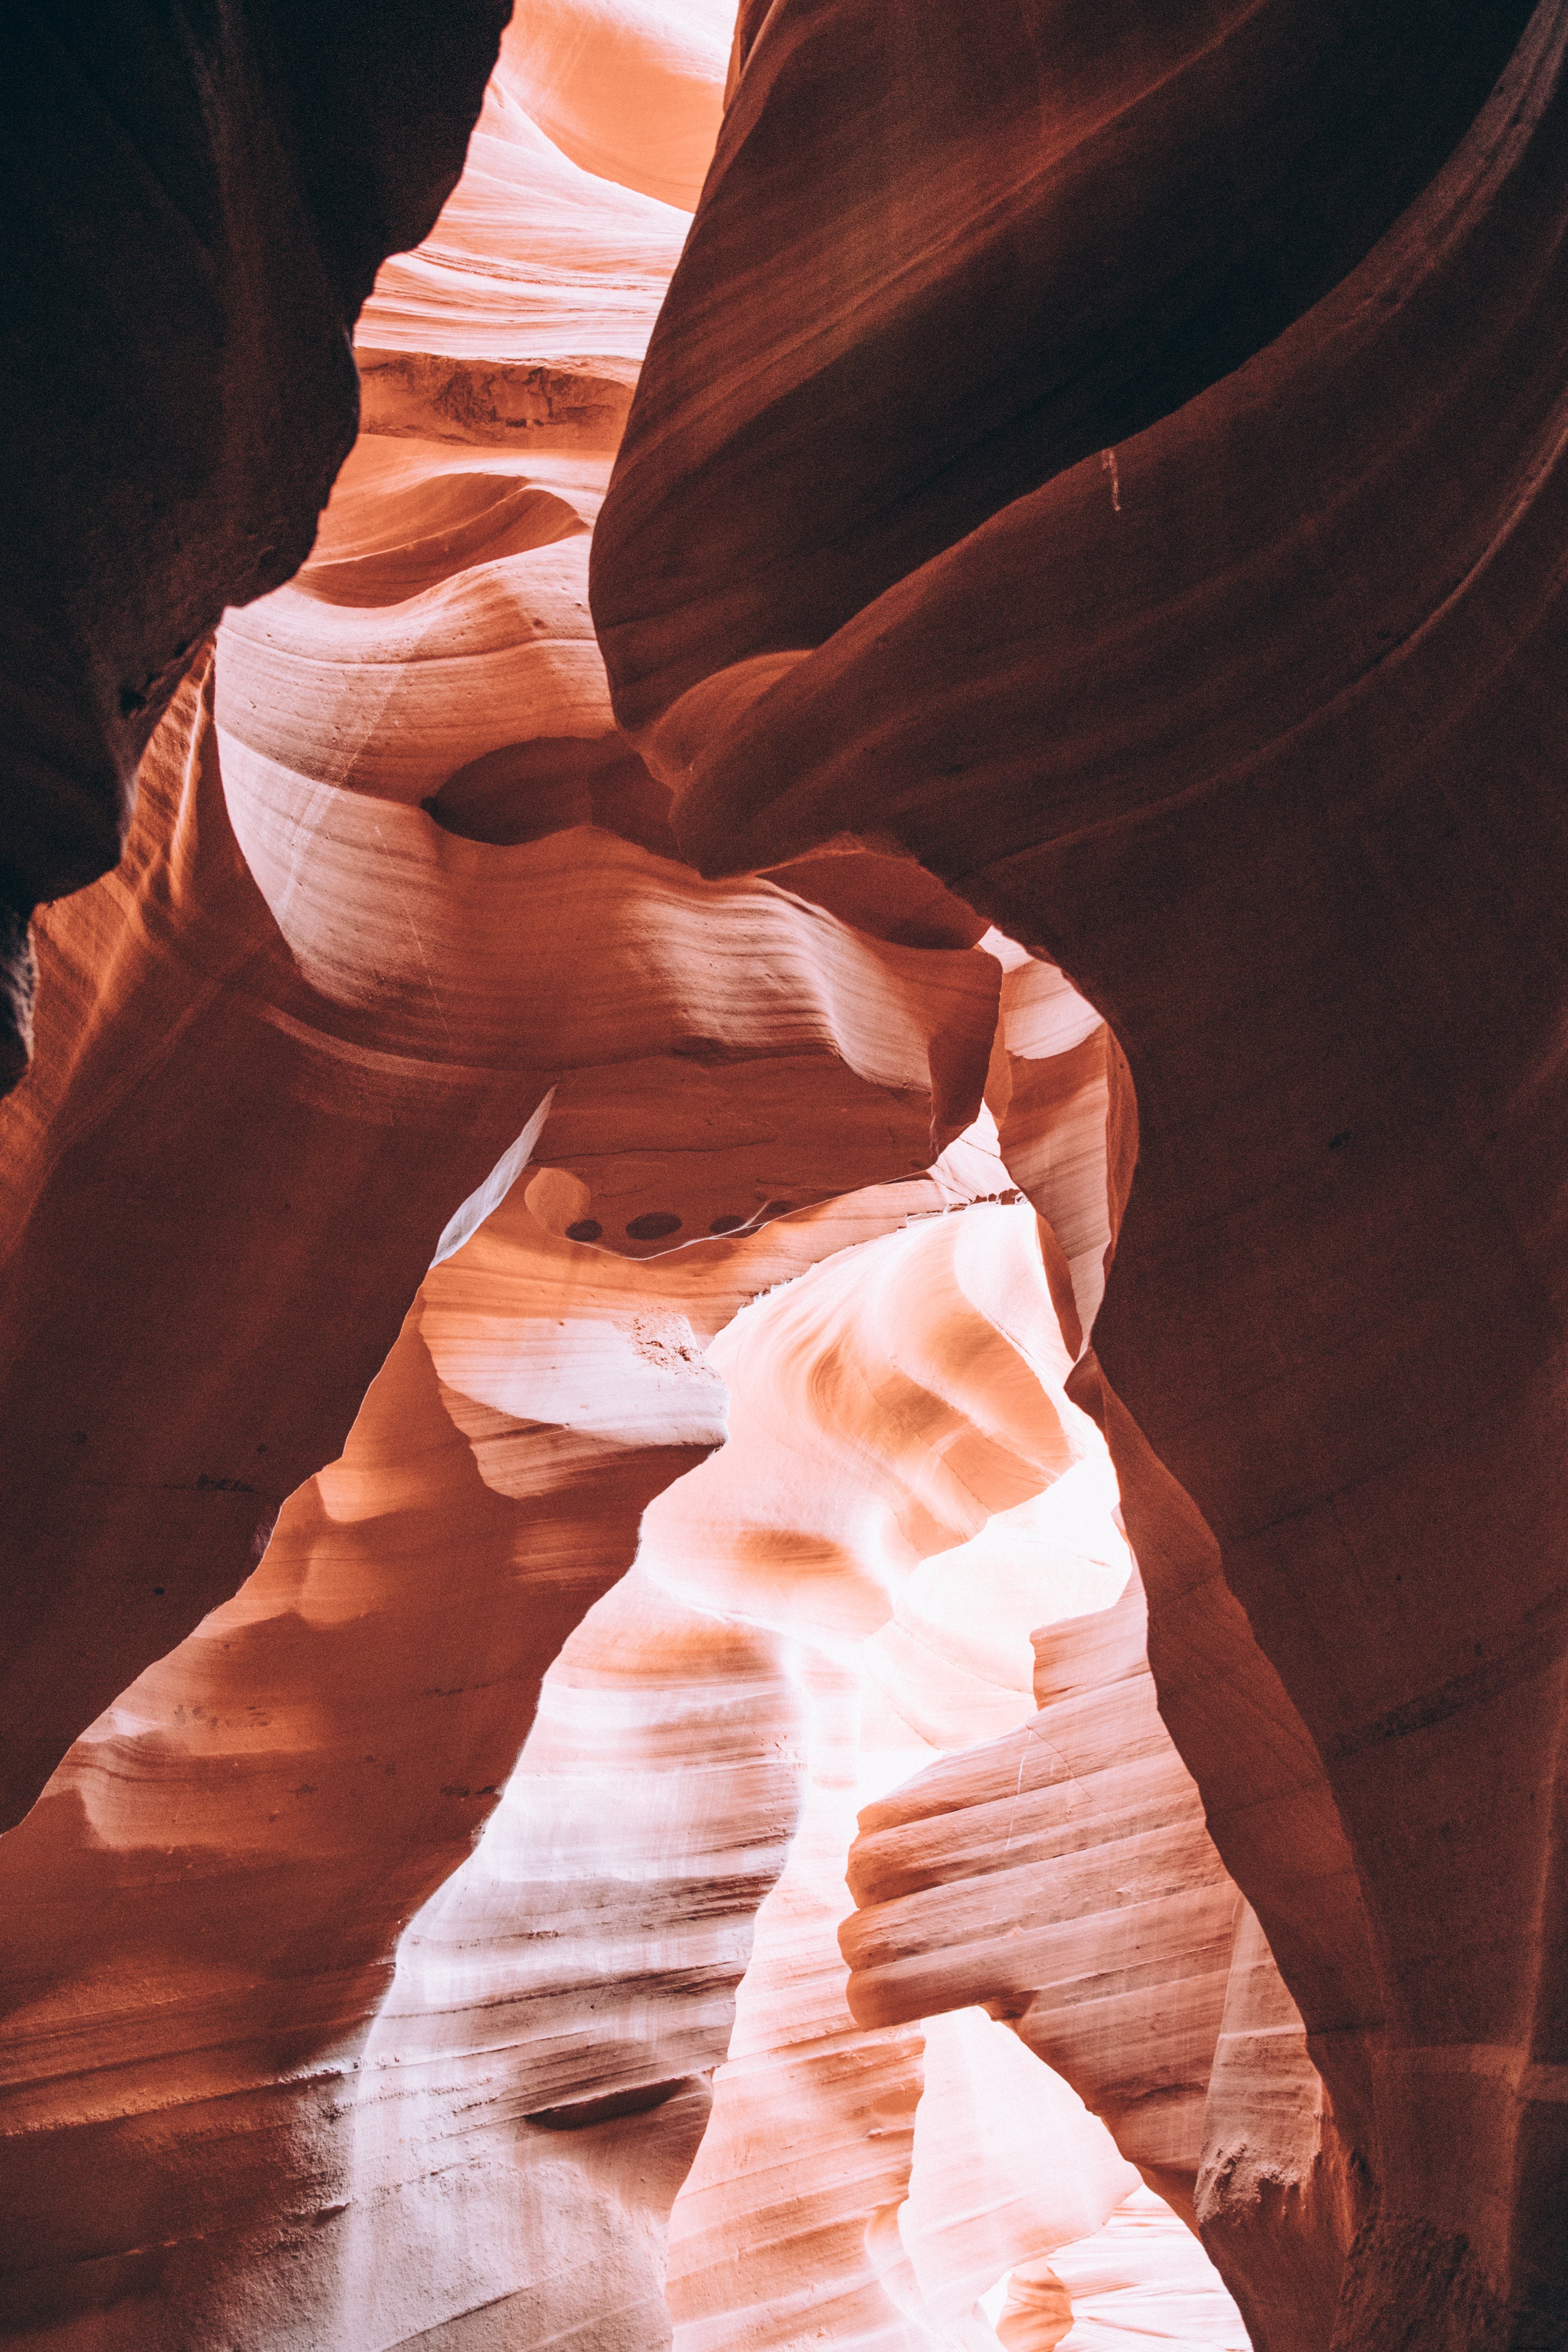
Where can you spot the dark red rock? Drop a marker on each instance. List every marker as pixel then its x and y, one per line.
pixel 197 199
pixel 1260 737
pixel 943 253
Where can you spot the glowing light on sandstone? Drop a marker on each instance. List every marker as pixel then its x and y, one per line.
pixel 782 1353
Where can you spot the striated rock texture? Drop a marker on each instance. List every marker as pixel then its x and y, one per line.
pixel 589 1762
pixel 1022 237
pixel 855 2186
pixel 369 1963
pixel 634 93
pixel 1063 1876
pixel 522 320
pixel 198 197
pixel 306 1002
pixel 1252 722
pixel 203 1911
pixel 1095 1829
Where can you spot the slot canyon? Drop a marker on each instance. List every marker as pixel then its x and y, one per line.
pixel 784 1018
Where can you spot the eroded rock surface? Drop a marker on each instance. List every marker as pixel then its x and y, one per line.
pixel 1249 720
pixel 686 1834
pixel 198 199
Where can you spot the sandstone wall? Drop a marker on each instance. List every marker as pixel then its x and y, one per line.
pixel 1248 719
pixel 588 1760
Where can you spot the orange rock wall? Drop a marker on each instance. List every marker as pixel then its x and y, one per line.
pixel 1249 720
pixel 586 1757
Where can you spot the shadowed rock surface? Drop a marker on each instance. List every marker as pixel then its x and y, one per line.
pixel 952 252
pixel 197 200
pixel 604 1772
pixel 1255 728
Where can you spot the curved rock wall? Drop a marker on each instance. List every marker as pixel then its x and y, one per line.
pixel 304 1014
pixel 307 1002
pixel 489 2132
pixel 1249 720
pixel 951 256
pixel 199 198
pixel 687 1832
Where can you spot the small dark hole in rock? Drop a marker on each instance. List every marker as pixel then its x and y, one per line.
pixel 526 791
pixel 653 1227
pixel 726 1224
pixel 581 2112
pixel 586 1229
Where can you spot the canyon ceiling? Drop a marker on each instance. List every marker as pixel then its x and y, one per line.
pixel 783 1008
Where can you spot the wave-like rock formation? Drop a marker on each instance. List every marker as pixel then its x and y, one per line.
pixel 1063 1876
pixel 1250 720
pixel 868 2176
pixel 204 1906
pixel 1085 1812
pixel 199 198
pixel 307 1001
pixel 329 2017
pixel 812 1602
pixel 1020 239
pixel 521 321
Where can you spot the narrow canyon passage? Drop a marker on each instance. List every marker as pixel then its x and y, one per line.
pixel 779 1346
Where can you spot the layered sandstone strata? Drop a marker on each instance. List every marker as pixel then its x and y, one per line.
pixel 485 2122
pixel 1249 720
pixel 199 199
pixel 677 1839
pixel 306 1011
pixel 331 2017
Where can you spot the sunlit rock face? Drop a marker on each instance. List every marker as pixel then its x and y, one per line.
pixel 484 2123
pixel 612 1736
pixel 593 1316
